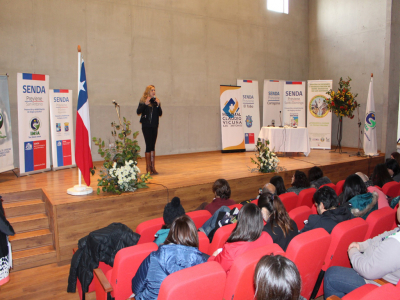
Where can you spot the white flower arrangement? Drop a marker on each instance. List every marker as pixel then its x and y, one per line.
pixel 125 176
pixel 266 160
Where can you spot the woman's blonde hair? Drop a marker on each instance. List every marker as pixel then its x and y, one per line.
pixel 146 93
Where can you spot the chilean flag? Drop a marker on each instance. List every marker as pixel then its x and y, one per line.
pixel 83 155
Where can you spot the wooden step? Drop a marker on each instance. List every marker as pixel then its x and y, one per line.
pixel 23 208
pixel 29 222
pixel 31 258
pixel 31 239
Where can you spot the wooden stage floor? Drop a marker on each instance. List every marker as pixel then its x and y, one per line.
pixel 188 176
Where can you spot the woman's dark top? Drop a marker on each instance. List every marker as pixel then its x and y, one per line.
pixel 150 114
pixel 278 237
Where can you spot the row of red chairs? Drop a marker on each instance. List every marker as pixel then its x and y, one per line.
pixel 372 292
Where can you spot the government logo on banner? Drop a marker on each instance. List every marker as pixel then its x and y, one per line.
pixel 318 107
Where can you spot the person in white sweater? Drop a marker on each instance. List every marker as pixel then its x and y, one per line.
pixel 375 258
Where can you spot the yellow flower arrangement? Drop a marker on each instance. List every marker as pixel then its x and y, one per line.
pixel 342 103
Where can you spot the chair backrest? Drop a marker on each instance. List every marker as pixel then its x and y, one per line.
pixel 204 242
pixel 255 201
pixel 204 281
pixel 240 282
pixel 126 263
pixel 306 197
pixel 238 205
pixel 299 215
pixel 289 200
pixel 308 251
pixel 148 229
pixel 379 221
pixel 386 291
pixel 331 185
pixel 220 237
pixel 339 187
pixel 199 217
pixel 391 189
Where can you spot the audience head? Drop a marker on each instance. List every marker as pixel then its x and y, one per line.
pixel 249 225
pixel 353 186
pixel 315 173
pixel 393 167
pixel 325 198
pixel 272 209
pixel 183 232
pixel 396 156
pixel 277 181
pixel 362 176
pixel 300 180
pixel 277 278
pixel 172 210
pixel 269 188
pixel 221 189
pixel 380 176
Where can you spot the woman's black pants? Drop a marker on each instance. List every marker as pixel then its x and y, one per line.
pixel 150 137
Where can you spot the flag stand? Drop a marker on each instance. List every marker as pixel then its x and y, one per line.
pixel 79 189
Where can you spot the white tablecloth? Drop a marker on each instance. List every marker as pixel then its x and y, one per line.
pixel 286 139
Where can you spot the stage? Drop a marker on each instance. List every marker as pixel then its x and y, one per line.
pixel 188 176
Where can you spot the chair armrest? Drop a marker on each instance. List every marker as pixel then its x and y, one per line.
pixel 333 297
pixel 103 280
pixel 381 281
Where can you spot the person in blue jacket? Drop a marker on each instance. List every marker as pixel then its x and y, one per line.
pixel 179 251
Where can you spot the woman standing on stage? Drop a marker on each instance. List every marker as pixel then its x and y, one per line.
pixel 150 110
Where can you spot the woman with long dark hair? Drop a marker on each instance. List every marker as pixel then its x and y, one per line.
pixel 316 177
pixel 277 181
pixel 279 225
pixel 150 110
pixel 381 175
pixel 247 235
pixel 393 169
pixel 299 182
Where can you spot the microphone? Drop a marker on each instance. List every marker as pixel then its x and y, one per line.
pixel 115 103
pixel 280 117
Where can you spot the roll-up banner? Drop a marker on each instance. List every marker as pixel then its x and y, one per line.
pixel 251 112
pixel 62 130
pixel 33 123
pixel 6 147
pixel 232 133
pixel 272 102
pixel 319 118
pixel 294 103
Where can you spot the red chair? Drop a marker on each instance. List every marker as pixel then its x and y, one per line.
pixel 391 189
pixel 339 187
pixel 331 185
pixel 379 221
pixel 299 215
pixel 204 242
pixel 220 237
pixel 308 251
pixel 342 236
pixel 395 221
pixel 238 205
pixel 204 281
pixel 240 282
pixel 148 229
pixel 199 217
pixel 118 281
pixel 306 197
pixel 255 201
pixel 378 187
pixel 372 292
pixel 289 200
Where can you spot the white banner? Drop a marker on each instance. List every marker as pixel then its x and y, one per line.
pixel 251 112
pixel 294 99
pixel 272 102
pixel 33 122
pixel 62 129
pixel 370 144
pixel 232 133
pixel 319 118
pixel 6 147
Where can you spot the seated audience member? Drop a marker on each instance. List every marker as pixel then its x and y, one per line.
pixel 393 169
pixel 329 212
pixel 277 278
pixel 396 156
pixel 180 251
pixel 172 210
pixel 373 259
pixel 382 198
pixel 277 181
pixel 380 176
pixel 246 236
pixel 268 188
pixel 279 225
pixel 356 197
pixel 317 178
pixel 222 192
pixel 367 181
pixel 299 182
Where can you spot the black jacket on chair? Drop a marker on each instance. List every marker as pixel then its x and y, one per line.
pixel 100 245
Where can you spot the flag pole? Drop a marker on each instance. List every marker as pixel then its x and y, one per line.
pixel 79 189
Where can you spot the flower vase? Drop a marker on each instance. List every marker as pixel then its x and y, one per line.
pixel 339 136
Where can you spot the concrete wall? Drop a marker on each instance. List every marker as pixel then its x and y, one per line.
pixel 186 48
pixel 350 38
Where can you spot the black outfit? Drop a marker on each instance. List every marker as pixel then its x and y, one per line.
pixel 328 219
pixel 5 230
pixel 100 245
pixel 277 235
pixel 149 118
